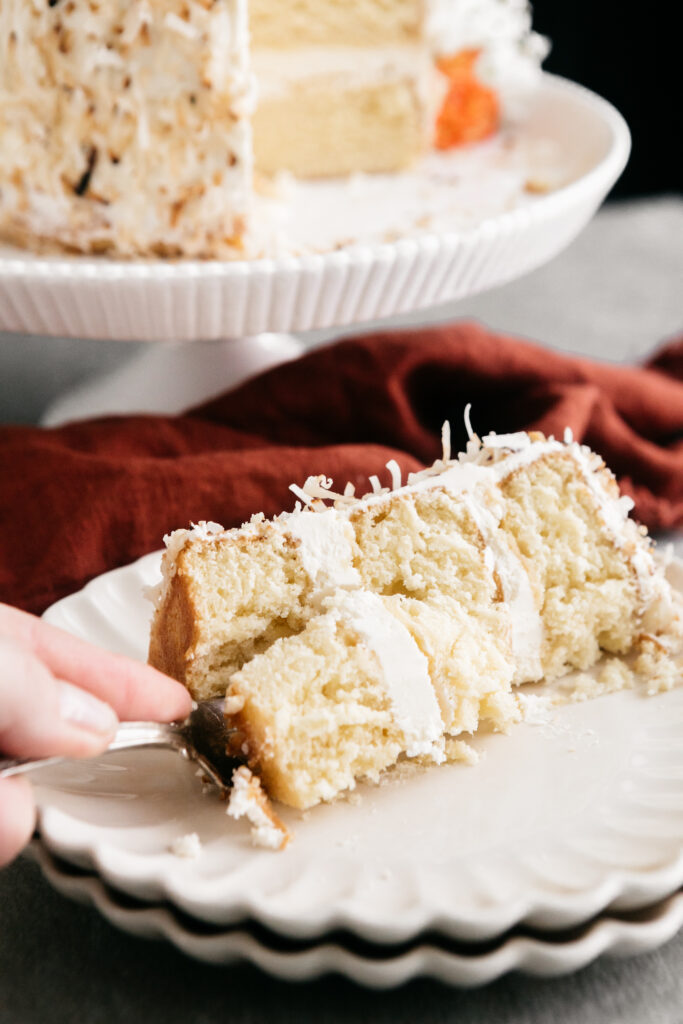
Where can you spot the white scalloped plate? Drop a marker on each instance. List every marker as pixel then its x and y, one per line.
pixel 458 223
pixel 381 967
pixel 556 822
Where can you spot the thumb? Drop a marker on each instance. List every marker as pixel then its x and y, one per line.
pixel 42 715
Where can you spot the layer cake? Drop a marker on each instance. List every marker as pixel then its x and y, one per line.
pixel 356 631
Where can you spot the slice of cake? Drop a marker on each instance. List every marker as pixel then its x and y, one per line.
pixel 364 85
pixel 356 631
pixel 342 86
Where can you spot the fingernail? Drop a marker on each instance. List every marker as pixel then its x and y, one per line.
pixel 82 709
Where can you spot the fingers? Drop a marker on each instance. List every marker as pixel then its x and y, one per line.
pixel 44 716
pixel 135 691
pixel 17 817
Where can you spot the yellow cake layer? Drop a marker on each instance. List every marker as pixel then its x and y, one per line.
pixel 225 603
pixel 320 129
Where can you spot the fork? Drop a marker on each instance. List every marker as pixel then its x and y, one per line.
pixel 202 738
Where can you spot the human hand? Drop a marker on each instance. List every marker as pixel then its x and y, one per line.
pixel 60 696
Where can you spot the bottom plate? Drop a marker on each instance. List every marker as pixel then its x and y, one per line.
pixel 457 964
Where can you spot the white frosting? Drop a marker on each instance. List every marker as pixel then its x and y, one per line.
pixel 326 548
pixel 404 667
pixel 148 144
pixel 277 71
pixel 526 624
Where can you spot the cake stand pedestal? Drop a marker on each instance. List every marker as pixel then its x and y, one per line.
pixel 356 251
pixel 173 377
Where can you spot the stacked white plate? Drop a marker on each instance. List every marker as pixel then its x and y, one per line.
pixel 377 966
pixel 564 841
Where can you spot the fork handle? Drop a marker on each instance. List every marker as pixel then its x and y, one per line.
pixel 128 736
pixel 16 765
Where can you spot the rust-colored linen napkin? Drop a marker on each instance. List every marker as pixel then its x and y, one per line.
pixel 81 499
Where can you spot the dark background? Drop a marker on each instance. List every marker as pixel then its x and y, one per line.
pixel 625 52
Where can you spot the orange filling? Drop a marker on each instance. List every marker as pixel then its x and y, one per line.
pixel 470 111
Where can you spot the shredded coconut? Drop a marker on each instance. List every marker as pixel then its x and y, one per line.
pixel 468 423
pixel 535 710
pixel 446 441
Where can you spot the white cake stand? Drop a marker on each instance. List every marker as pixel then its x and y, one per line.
pixel 337 253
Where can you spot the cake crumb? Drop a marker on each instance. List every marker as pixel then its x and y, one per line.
pixel 352 796
pixel 233 704
pixel 660 671
pixel 188 846
pixel 459 751
pixel 611 677
pixel 537 186
pixel 248 800
pixel 535 710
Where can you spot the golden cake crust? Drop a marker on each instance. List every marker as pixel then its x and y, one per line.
pixel 174 629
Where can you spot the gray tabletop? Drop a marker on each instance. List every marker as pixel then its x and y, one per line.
pixel 615 293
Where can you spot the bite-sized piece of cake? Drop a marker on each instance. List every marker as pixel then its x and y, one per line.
pixel 340 701
pixel 247 800
pixel 124 126
pixel 227 595
pixel 355 631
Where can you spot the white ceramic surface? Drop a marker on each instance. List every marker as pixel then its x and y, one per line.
pixel 558 820
pixel 365 249
pixel 170 379
pixel 382 967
